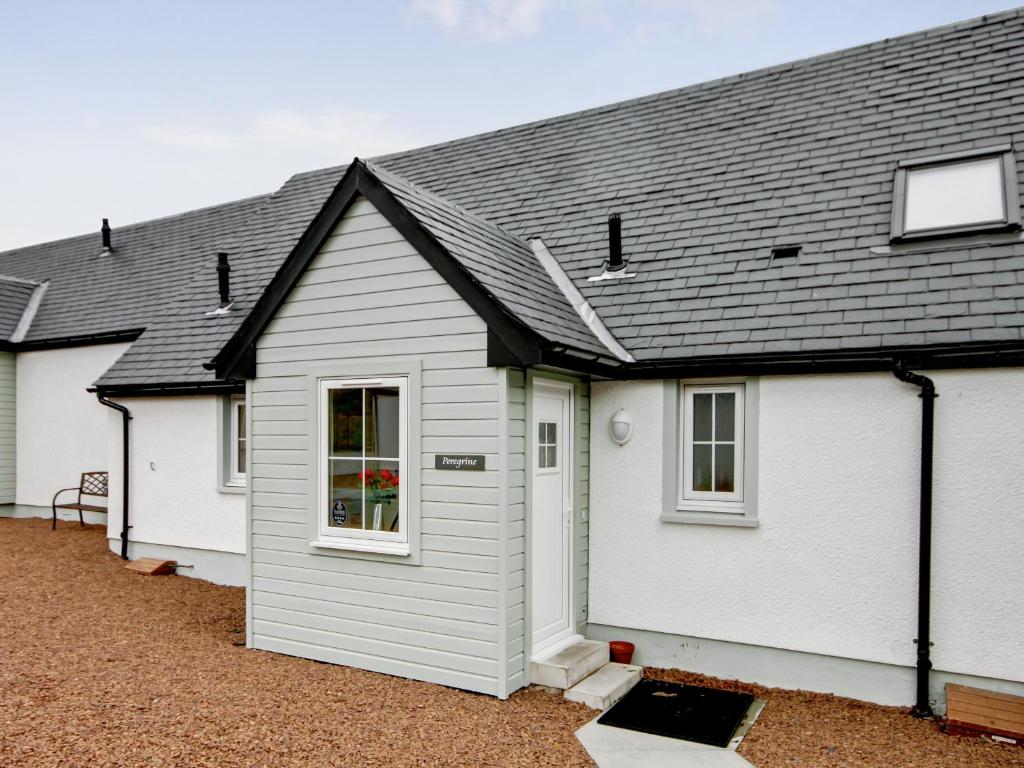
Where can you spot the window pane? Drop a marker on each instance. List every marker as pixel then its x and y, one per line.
pixel 725 468
pixel 346 422
pixel 542 432
pixel 345 494
pixel 552 458
pixel 382 422
pixel 240 459
pixel 702 467
pixel 381 480
pixel 725 416
pixel 552 433
pixel 702 416
pixel 955 193
pixel 241 419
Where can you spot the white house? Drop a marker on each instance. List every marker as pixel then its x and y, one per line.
pixel 730 371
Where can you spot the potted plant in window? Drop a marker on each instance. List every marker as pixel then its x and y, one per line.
pixel 381 488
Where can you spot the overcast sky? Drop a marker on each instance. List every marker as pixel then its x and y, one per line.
pixel 134 110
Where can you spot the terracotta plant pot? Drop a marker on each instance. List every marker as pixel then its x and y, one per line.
pixel 621 651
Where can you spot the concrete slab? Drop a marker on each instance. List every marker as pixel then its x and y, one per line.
pixel 618 748
pixel 568 666
pixel 606 686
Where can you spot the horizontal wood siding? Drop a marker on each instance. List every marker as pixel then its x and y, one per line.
pixel 516 583
pixel 369 295
pixel 7 427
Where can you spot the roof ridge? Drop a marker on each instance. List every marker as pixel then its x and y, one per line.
pixel 143 222
pixel 707 84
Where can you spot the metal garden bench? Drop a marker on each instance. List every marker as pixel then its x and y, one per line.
pixel 91 484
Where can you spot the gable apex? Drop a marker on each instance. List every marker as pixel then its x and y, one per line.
pixel 521 345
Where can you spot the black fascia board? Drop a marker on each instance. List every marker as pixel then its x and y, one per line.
pixel 232 387
pixel 236 359
pixel 879 359
pixel 83 340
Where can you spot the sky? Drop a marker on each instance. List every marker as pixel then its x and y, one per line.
pixel 138 109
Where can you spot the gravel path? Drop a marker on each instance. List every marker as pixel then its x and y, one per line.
pixel 102 667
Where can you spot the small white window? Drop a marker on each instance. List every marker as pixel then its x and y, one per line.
pixel 238 442
pixel 959 195
pixel 712 454
pixel 547 445
pixel 363 447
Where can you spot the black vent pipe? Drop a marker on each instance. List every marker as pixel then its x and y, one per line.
pixel 924 577
pixel 126 416
pixel 615 262
pixel 223 279
pixel 105 234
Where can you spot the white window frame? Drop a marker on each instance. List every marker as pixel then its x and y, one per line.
pixel 686 492
pixel 1010 220
pixel 386 542
pixel 736 508
pixel 236 476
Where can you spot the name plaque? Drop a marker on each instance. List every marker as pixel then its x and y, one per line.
pixel 460 462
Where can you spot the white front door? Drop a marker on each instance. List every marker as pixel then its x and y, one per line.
pixel 551 515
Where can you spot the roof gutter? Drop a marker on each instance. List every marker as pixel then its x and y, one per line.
pixel 89 339
pixel 231 387
pixel 126 417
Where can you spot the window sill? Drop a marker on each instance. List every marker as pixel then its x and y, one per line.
pixel 697 517
pixel 363 545
pixel 231 488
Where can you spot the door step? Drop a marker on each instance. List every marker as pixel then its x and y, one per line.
pixel 565 668
pixel 152 566
pixel 606 686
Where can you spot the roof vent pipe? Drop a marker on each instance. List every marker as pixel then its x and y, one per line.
pixel 615 262
pixel 105 234
pixel 223 280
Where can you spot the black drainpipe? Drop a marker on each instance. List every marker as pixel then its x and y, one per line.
pixel 924 663
pixel 126 416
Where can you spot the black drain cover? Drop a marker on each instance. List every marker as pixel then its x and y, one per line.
pixel 705 715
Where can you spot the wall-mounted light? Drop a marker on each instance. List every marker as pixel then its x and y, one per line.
pixel 621 427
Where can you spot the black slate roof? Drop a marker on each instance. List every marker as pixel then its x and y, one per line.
pixel 182 337
pixel 93 294
pixel 14 297
pixel 708 179
pixel 503 264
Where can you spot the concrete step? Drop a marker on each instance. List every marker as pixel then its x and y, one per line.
pixel 568 666
pixel 606 686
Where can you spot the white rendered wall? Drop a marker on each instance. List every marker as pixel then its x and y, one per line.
pixel 175 461
pixel 832 569
pixel 61 428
